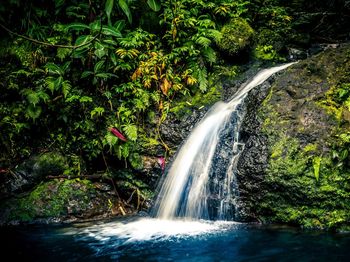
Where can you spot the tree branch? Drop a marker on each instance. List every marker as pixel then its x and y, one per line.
pixel 49 44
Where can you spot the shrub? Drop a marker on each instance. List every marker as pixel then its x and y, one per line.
pixel 236 36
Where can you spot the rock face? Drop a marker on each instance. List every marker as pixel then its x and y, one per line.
pixel 61 200
pixel 36 191
pixel 29 173
pixel 291 170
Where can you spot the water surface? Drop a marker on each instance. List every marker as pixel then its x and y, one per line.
pixel 143 239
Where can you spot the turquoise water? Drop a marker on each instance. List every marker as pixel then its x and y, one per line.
pixel 155 240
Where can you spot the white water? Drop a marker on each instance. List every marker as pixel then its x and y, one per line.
pixel 145 229
pixel 184 192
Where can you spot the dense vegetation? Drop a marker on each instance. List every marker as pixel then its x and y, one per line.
pixel 94 80
pixel 71 70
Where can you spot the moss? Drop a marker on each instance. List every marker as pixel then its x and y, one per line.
pixel 236 36
pixel 307 182
pixel 51 199
pixel 296 196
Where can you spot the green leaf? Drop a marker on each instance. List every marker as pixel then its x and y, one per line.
pixel 82 40
pixel 203 41
pixel 316 162
pixel 110 140
pixel 62 53
pixel 32 97
pixel 124 6
pixel 86 74
pixel 43 96
pixel 97 111
pixel 100 51
pixel 202 76
pixel 105 76
pixel 85 99
pixel 125 150
pixel 119 25
pixel 98 66
pixel 72 98
pixel 66 87
pixel 108 9
pixel 136 160
pixel 154 5
pixel 131 131
pixel 108 30
pixel 95 25
pixel 110 42
pixel 76 26
pixel 58 82
pixel 33 112
pixel 50 83
pixel 53 69
pixel 209 54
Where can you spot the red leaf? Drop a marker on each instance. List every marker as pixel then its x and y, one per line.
pixel 161 162
pixel 117 134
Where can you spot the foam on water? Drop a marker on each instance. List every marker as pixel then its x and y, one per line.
pixel 145 229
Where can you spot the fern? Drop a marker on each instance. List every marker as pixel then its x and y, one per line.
pixel 214 34
pixel 209 54
pixel 32 96
pixel 316 162
pixel 110 140
pixel 203 41
pixel 130 131
pixel 62 53
pixel 66 87
pixel 200 73
pixel 135 160
pixel 53 69
pixel 33 112
pixel 123 151
pixel 97 111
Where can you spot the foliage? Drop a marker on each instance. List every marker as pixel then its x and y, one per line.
pixel 236 36
pixel 69 98
pixel 267 52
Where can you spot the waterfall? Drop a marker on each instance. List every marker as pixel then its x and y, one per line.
pixel 185 191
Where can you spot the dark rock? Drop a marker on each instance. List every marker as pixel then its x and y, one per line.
pixel 174 131
pixel 296 54
pixel 29 173
pixel 288 123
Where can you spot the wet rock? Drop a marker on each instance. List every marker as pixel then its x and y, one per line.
pixel 61 200
pixel 289 123
pixel 295 54
pixel 29 173
pixel 174 131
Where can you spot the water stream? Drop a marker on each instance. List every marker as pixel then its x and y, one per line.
pixel 185 192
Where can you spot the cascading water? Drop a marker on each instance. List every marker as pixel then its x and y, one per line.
pixel 185 192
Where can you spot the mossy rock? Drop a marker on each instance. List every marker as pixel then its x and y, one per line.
pixel 58 199
pixel 306 178
pixel 307 183
pixel 236 36
pixel 30 172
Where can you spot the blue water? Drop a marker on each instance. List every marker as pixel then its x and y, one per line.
pixel 151 240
